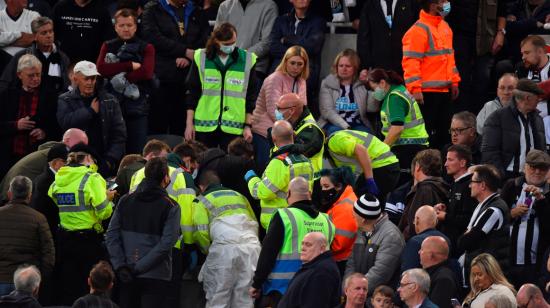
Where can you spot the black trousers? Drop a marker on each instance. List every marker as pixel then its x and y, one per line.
pixel 145 293
pixel 174 287
pixel 167 113
pixel 436 111
pixel 216 139
pixel 78 253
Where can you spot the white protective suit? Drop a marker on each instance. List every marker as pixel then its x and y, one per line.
pixel 231 262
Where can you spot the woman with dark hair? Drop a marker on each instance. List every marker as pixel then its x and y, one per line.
pixel 129 63
pixel 343 100
pixel 222 94
pixel 337 198
pixel 402 121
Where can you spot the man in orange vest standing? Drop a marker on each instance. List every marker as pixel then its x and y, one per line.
pixel 429 68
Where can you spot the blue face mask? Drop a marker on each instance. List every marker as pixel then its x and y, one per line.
pixel 279 115
pixel 446 9
pixel 227 49
pixel 379 94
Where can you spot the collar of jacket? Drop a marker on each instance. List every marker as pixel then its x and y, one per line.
pixel 430 19
pixel 289 148
pixel 333 82
pixel 292 14
pixel 516 111
pixel 149 186
pixel 304 114
pixel 18 202
pixel 325 255
pixel 432 269
pixel 306 206
pixel 188 10
pixel 521 179
pixel 379 222
pixel 212 188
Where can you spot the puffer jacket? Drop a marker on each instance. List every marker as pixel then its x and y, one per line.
pixel 25 237
pixel 377 256
pixel 19 299
pixel 331 91
pixel 501 136
pixel 72 113
pixel 143 230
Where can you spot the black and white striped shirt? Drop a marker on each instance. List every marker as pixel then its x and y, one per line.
pixel 489 219
pixel 524 234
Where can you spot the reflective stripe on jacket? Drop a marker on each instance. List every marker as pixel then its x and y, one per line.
pixel 181 193
pixel 272 188
pixel 428 56
pixel 341 215
pixel 297 224
pixel 81 195
pixel 223 99
pixel 414 129
pixel 343 155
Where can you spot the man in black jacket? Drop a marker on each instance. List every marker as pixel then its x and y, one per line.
pixel 488 229
pixel 511 132
pixel 527 198
pixel 176 28
pixel 55 63
pixel 97 113
pixel 453 219
pixel 26 117
pixel 381 28
pixel 317 283
pixel 142 232
pixel 40 200
pixel 443 282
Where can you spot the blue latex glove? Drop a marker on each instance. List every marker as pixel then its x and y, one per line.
pixel 249 174
pixel 371 187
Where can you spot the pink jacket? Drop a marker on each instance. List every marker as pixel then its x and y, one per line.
pixel 274 86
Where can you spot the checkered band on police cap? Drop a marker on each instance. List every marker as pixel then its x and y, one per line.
pixel 367 206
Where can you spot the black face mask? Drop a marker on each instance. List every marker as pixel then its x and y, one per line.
pixel 328 197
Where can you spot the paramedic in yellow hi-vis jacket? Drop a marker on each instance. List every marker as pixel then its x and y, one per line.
pixel 84 204
pixel 227 231
pixel 284 166
pixel 222 90
pixel 369 158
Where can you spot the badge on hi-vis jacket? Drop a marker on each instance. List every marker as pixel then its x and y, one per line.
pixel 235 81
pixel 66 199
pixel 210 79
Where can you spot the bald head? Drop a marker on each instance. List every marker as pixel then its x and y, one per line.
pixel 313 244
pixel 434 250
pixel 282 133
pixel 530 292
pixel 74 136
pixel 425 218
pixel 291 105
pixel 298 190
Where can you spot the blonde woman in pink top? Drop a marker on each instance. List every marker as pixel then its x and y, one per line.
pixel 289 77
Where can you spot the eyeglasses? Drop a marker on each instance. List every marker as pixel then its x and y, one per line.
pixel 285 108
pixel 527 304
pixel 458 131
pixel 543 168
pixel 475 181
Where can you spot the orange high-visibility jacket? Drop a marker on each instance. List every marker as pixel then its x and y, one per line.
pixel 341 215
pixel 428 56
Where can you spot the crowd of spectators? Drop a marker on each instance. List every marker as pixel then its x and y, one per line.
pixel 142 147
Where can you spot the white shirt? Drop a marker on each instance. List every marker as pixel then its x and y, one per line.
pixel 10 30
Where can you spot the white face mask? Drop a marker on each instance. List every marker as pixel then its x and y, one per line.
pixel 227 49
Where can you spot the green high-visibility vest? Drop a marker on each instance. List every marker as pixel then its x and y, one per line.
pixel 223 98
pixel 180 192
pixel 272 188
pixel 297 224
pixel 81 195
pixel 342 153
pixel 414 130
pixel 217 204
